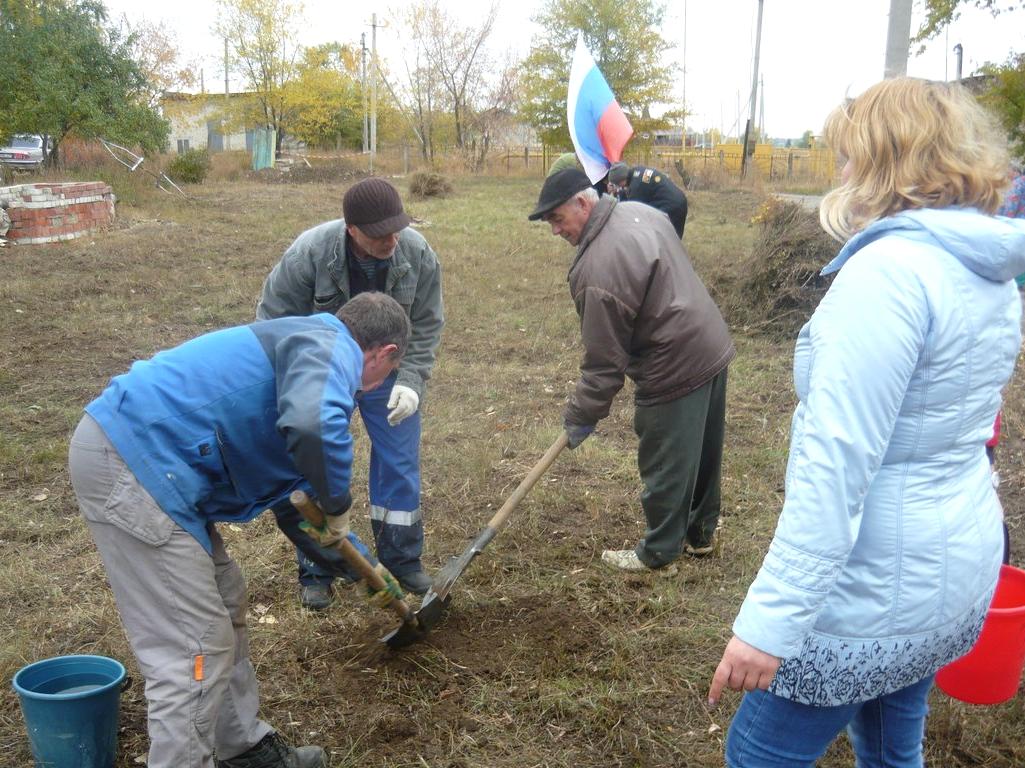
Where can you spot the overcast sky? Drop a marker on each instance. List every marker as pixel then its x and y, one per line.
pixel 814 53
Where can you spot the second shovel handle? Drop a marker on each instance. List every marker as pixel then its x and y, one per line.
pixel 499 518
pixel 314 515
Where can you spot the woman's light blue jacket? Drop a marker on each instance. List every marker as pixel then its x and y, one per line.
pixel 889 544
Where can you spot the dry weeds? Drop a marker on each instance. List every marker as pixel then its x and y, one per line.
pixel 429 184
pixel 547 658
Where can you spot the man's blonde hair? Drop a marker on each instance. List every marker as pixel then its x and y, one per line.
pixel 912 144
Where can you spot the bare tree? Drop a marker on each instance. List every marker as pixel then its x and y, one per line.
pixel 495 114
pixel 425 96
pixel 456 55
pixel 156 49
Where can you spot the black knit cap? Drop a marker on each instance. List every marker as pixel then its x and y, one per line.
pixel 375 207
pixel 557 189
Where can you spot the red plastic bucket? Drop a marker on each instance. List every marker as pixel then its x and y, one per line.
pixel 991 671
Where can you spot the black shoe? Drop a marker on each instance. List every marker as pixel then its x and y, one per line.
pixel 272 752
pixel 701 551
pixel 316 597
pixel 416 582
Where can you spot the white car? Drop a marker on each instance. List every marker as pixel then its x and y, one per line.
pixel 24 151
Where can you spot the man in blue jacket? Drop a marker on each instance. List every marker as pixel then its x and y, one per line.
pixel 218 430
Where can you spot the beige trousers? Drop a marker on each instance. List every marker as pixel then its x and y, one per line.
pixel 183 610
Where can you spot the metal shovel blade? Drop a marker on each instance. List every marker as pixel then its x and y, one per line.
pixel 430 614
pixel 435 603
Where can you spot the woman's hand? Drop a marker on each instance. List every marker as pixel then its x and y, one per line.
pixel 742 667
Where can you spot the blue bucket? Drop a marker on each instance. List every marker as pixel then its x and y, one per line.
pixel 71 704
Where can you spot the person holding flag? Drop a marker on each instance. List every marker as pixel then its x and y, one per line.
pixel 651 187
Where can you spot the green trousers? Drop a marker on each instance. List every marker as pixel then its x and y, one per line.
pixel 680 462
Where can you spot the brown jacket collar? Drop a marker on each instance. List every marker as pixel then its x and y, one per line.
pixel 595 223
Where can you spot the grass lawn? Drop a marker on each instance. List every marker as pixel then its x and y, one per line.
pixel 547 658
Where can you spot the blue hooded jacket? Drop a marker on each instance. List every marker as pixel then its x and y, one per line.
pixel 228 424
pixel 888 547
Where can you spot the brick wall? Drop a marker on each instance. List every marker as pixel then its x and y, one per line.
pixel 49 213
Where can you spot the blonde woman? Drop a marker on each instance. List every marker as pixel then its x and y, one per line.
pixel 887 550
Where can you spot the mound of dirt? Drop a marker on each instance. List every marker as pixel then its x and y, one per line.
pixel 298 172
pixel 782 285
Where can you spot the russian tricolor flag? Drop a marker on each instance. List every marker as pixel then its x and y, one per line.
pixel 597 125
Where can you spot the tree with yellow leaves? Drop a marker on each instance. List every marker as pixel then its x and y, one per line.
pixel 262 42
pixel 324 98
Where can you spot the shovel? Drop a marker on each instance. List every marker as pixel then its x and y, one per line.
pixel 314 515
pixel 435 602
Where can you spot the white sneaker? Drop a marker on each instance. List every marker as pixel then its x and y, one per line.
pixel 627 560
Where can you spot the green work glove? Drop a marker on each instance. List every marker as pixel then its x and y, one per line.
pixel 392 591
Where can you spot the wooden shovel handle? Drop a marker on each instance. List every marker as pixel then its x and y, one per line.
pixel 499 518
pixel 314 515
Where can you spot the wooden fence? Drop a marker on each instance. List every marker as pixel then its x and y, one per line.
pixel 815 166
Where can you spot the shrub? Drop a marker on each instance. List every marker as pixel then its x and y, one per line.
pixel 190 167
pixel 783 285
pixel 429 184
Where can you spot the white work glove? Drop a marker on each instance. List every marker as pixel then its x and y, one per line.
pixel 335 528
pixel 402 403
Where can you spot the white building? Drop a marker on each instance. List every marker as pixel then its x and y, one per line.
pixel 197 119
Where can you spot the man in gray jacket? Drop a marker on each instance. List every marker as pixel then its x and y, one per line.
pixel 645 314
pixel 371 249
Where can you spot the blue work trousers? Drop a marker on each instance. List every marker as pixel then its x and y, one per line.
pixel 394 491
pixel 886 732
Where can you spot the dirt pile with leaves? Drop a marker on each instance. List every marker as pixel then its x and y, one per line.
pixel 547 657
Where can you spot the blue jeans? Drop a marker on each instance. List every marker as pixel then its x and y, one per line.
pixel 772 732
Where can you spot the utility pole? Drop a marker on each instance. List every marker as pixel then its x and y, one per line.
pixel 754 90
pixel 898 39
pixel 227 103
pixel 683 121
pixel 363 87
pixel 373 90
pixel 736 123
pixel 959 53
pixel 946 58
pixel 761 109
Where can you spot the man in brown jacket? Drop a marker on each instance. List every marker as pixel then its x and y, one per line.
pixel 645 314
